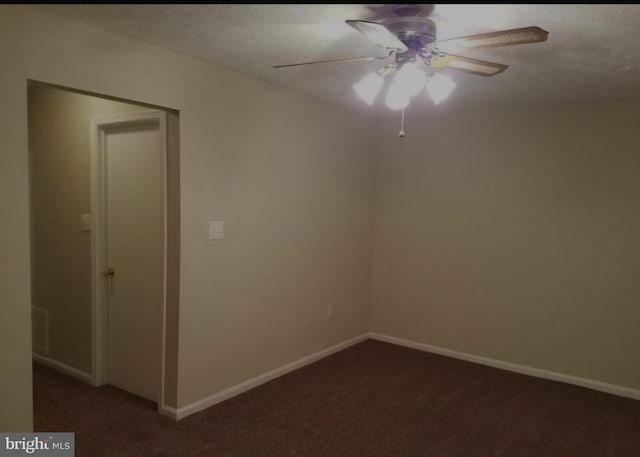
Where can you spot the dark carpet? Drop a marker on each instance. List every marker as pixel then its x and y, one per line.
pixel 373 399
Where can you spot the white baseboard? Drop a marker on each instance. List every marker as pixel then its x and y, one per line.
pixel 218 397
pixel 61 367
pixel 522 369
pixel 169 412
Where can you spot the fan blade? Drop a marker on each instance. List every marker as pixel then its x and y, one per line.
pixel 475 66
pixel 379 34
pixel 522 35
pixel 348 59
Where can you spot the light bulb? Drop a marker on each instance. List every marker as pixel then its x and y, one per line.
pixel 407 82
pixel 369 87
pixel 439 87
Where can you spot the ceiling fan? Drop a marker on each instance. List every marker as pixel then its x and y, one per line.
pixel 410 38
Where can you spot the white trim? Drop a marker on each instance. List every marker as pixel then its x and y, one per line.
pixel 218 397
pixel 516 368
pixel 99 126
pixel 169 412
pixel 164 158
pixel 98 312
pixel 61 367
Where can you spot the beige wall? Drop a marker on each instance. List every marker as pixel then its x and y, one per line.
pixel 59 147
pixel 514 235
pixel 291 177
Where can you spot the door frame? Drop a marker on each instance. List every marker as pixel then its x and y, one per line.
pixel 99 126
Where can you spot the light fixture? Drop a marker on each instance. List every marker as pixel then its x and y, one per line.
pixel 407 82
pixel 410 39
pixel 439 87
pixel 369 87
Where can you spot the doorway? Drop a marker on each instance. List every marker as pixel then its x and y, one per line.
pixel 105 240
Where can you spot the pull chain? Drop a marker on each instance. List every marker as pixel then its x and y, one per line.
pixel 401 133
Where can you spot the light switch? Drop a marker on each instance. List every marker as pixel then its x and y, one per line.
pixel 85 222
pixel 216 230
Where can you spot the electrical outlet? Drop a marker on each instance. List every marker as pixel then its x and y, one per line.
pixel 330 312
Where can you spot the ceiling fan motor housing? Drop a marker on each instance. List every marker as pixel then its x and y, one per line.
pixel 414 32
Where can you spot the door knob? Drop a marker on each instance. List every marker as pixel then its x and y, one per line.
pixel 110 273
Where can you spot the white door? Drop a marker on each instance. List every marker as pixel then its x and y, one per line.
pixel 134 254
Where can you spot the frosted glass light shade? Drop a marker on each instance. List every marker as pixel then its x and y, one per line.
pixel 396 101
pixel 369 87
pixel 408 82
pixel 412 79
pixel 439 87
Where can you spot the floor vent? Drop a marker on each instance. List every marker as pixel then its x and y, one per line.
pixel 40 330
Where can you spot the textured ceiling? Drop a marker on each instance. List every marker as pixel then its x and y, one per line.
pixel 592 54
